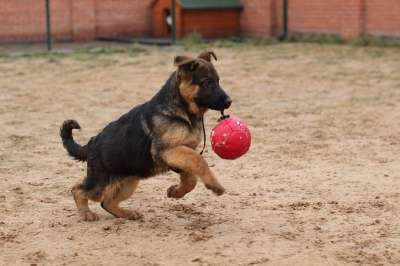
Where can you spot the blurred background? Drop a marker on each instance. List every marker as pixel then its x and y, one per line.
pixel 316 81
pixel 161 21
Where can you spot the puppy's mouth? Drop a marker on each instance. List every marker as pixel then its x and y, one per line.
pixel 227 103
pixel 221 104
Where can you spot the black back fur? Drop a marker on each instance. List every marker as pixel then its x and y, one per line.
pixel 123 147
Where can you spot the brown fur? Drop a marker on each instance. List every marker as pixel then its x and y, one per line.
pixel 188 183
pixel 116 193
pixel 189 92
pixel 82 203
pixel 113 194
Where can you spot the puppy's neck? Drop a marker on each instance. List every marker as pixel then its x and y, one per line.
pixel 187 94
pixel 171 101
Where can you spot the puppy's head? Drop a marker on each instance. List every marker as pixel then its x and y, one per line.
pixel 199 83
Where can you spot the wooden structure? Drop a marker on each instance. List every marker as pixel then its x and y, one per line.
pixel 209 18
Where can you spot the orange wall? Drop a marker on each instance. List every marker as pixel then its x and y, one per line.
pixel 23 20
pixel 212 23
pixel 158 22
pixel 315 16
pixel 347 18
pixel 256 18
pixel 383 17
pixel 123 17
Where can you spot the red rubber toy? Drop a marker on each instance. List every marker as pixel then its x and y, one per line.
pixel 230 138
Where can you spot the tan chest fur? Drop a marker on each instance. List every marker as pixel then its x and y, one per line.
pixel 170 135
pixel 180 135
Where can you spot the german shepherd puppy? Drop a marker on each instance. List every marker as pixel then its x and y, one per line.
pixel 152 138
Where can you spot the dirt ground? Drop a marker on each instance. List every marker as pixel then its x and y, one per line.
pixel 320 185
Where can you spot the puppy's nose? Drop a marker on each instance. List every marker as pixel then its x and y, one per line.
pixel 227 103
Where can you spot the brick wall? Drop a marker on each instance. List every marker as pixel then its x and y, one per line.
pixel 347 18
pixel 257 17
pixel 80 20
pixel 315 16
pixel 23 20
pixel 123 17
pixel 83 20
pixel 383 17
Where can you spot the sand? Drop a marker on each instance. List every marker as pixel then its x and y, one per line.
pixel 319 186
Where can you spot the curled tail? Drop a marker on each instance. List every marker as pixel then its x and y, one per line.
pixel 74 149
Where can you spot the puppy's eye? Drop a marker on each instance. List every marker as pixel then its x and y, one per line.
pixel 207 83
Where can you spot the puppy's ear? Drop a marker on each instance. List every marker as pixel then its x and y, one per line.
pixel 186 63
pixel 206 55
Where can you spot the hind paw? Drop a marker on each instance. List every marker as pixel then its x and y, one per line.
pixel 88 216
pixel 133 215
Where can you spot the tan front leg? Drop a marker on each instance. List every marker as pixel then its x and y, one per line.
pixel 191 163
pixel 188 183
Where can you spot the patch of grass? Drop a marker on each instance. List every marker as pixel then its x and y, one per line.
pixel 316 38
pixel 90 53
pixel 228 42
pixel 378 41
pixel 93 52
pixel 136 49
pixel 36 54
pixel 193 41
pixel 87 53
pixel 99 50
pixel 261 41
pixel 241 41
pixel 364 40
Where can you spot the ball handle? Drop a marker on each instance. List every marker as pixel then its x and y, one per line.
pixel 223 116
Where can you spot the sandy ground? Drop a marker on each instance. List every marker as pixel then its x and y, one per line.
pixel 320 185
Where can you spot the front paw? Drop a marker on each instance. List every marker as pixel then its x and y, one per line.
pixel 173 192
pixel 217 189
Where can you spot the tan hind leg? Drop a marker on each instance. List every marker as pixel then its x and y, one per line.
pixel 81 200
pixel 188 183
pixel 118 192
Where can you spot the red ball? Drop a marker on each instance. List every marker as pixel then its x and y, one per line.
pixel 230 138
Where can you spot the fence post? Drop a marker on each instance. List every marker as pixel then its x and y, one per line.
pixel 173 15
pixel 48 26
pixel 285 19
